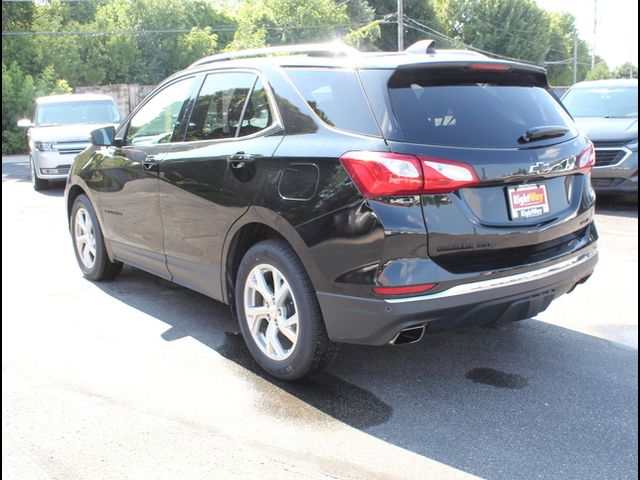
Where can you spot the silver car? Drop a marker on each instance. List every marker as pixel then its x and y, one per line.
pixel 61 129
pixel 607 111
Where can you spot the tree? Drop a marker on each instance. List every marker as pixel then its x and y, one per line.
pixel 150 56
pixel 278 22
pixel 600 72
pixel 559 59
pixel 420 10
pixel 626 70
pixel 514 28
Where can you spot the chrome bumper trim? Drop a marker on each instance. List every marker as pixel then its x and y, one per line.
pixel 482 285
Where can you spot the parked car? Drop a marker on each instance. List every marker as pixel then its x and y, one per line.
pixel 61 129
pixel 333 196
pixel 607 111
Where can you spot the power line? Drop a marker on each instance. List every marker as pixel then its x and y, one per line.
pixel 219 28
pixel 433 31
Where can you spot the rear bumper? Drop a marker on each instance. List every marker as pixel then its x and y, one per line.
pixel 506 298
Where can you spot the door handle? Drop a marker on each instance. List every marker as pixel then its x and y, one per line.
pixel 150 163
pixel 240 159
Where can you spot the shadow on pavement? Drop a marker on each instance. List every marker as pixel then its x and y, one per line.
pixel 19 172
pixel 617 205
pixel 528 400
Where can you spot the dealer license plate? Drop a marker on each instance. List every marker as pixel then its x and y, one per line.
pixel 528 201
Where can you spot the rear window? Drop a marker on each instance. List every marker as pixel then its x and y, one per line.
pixel 480 115
pixel 336 97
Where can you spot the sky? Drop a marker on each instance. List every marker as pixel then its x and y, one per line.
pixel 616 30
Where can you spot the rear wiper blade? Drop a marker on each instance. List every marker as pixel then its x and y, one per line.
pixel 538 133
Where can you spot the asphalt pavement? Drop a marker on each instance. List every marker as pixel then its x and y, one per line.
pixel 140 378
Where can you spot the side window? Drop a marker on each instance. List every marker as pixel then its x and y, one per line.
pixel 336 97
pixel 156 121
pixel 219 106
pixel 257 116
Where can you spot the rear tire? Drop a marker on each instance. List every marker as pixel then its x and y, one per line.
pixel 88 242
pixel 38 184
pixel 286 334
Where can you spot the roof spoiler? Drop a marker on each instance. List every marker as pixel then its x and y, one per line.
pixel 422 47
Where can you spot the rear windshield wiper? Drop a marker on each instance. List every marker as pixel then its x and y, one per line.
pixel 538 133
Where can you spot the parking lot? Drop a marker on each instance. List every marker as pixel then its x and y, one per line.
pixel 140 378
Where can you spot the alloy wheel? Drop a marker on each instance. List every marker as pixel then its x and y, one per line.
pixel 271 312
pixel 85 238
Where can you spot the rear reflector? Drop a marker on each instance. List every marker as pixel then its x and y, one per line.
pixel 493 67
pixel 405 290
pixel 384 174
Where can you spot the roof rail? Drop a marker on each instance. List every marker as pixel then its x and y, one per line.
pixel 332 49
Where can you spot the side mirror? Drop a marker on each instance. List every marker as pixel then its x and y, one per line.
pixel 25 123
pixel 103 137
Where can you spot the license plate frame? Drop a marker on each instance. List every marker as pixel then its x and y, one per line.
pixel 527 201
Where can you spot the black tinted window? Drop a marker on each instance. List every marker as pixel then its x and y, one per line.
pixel 337 98
pixel 461 108
pixel 219 106
pixel 473 115
pixel 257 115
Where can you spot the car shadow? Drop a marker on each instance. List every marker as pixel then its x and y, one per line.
pixel 527 400
pixel 19 172
pixel 617 206
pixel 16 171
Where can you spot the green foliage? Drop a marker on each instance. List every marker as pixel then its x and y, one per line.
pixel 19 92
pixel 363 38
pixel 192 29
pixel 626 70
pixel 420 10
pixel 18 95
pixel 276 22
pixel 14 142
pixel 600 72
pixel 514 28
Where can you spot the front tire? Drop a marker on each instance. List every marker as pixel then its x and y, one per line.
pixel 278 312
pixel 38 184
pixel 88 242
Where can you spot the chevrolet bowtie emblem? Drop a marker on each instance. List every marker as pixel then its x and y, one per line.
pixel 539 167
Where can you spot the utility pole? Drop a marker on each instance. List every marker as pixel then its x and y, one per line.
pixel 400 25
pixel 575 56
pixel 595 24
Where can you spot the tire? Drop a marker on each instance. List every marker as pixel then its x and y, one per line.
pixel 38 184
pixel 90 251
pixel 312 350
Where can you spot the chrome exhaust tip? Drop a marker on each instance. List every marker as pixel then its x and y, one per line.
pixel 409 335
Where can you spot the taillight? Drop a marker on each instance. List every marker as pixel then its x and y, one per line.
pixel 404 290
pixel 441 176
pixel 587 158
pixel 384 174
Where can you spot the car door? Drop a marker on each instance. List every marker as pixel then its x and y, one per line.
pixel 129 170
pixel 208 181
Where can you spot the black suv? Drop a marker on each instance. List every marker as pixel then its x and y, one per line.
pixel 337 196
